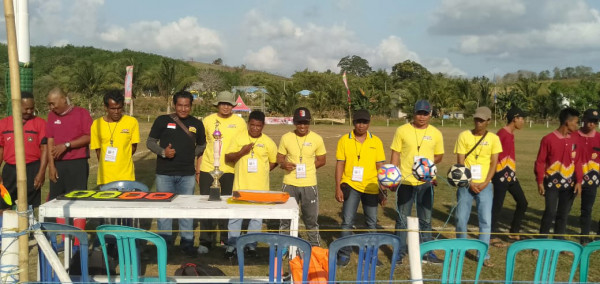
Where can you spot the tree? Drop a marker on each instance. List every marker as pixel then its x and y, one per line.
pixel 409 70
pixel 88 79
pixel 218 61
pixel 168 78
pixel 355 65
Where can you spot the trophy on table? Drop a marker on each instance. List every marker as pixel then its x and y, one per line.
pixel 215 188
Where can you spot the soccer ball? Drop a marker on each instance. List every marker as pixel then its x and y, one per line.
pixel 424 170
pixel 459 176
pixel 389 176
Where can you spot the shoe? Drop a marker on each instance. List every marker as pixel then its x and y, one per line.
pixel 567 253
pixel 431 258
pixel 251 252
pixel 514 237
pixel 498 243
pixel 342 261
pixel 230 252
pixel 187 247
pixel 488 263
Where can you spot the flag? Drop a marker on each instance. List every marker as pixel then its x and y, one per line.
pixel 345 79
pixel 5 195
pixel 128 83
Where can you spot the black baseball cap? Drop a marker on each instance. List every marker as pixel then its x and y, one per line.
pixel 591 115
pixel 515 112
pixel 361 114
pixel 301 114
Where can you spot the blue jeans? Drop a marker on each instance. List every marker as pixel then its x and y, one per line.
pixel 484 201
pixel 351 199
pixel 406 195
pixel 235 227
pixel 182 185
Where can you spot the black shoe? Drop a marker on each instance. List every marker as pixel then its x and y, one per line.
pixel 343 261
pixel 187 247
pixel 431 258
pixel 230 252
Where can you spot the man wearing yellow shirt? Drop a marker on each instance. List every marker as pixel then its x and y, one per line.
pixel 413 141
pixel 300 154
pixel 478 150
pixel 254 155
pixel 114 137
pixel 230 126
pixel 359 155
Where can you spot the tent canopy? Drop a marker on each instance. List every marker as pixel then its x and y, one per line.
pixel 241 106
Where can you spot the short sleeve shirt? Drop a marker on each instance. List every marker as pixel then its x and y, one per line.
pixel 68 127
pixel 414 143
pixel 482 154
pixel 34 131
pixel 123 134
pixel 301 148
pixel 365 155
pixel 264 151
pixel 230 128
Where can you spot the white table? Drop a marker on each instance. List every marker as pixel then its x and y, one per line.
pixel 182 206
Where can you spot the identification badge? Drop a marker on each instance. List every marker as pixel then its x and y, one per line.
pixel 252 165
pixel 416 158
pixel 300 170
pixel 476 172
pixel 357 173
pixel 111 154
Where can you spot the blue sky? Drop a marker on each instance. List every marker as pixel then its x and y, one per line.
pixel 456 37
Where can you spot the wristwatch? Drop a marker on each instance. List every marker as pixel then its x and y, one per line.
pixel 162 154
pixel 68 145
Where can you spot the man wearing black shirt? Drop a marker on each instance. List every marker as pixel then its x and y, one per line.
pixel 177 139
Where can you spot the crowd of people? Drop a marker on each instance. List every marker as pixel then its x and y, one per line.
pixel 567 164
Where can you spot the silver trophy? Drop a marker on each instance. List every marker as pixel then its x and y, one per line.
pixel 216 173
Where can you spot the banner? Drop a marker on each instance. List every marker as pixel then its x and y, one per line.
pixel 128 84
pixel 345 79
pixel 279 120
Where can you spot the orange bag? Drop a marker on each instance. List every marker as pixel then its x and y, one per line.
pixel 318 270
pixel 258 196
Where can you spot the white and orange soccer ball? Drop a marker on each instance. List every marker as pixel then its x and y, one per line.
pixel 389 176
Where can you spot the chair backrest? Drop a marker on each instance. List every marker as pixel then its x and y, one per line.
pixel 454 256
pixel 277 245
pixel 54 231
pixel 125 185
pixel 548 253
pixel 129 263
pixel 368 245
pixel 585 259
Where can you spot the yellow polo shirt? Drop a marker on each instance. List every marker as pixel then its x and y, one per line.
pixel 230 128
pixel 307 147
pixel 370 152
pixel 412 142
pixel 264 151
pixel 124 133
pixel 481 154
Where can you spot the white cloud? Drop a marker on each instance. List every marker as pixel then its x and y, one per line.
pixel 264 59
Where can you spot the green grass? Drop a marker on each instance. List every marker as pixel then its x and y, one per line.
pixel 527 143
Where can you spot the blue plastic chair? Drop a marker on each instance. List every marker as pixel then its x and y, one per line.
pixel 129 262
pixel 124 185
pixel 585 259
pixel 52 231
pixel 278 244
pixel 548 253
pixel 455 250
pixel 368 245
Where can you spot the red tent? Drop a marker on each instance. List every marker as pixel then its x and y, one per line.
pixel 241 106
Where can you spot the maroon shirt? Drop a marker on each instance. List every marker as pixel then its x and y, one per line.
pixel 69 127
pixel 34 130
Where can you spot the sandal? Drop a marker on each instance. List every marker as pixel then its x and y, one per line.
pixel 498 243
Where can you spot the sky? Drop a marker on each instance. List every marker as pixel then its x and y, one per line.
pixel 456 37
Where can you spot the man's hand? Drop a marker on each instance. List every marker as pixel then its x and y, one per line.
pixel 52 174
pixel 577 190
pixel 475 187
pixel 246 149
pixel 38 181
pixel 383 194
pixel 339 195
pixel 541 189
pixel 288 166
pixel 169 151
pixel 58 150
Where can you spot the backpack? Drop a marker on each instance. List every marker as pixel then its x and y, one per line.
pixel 193 269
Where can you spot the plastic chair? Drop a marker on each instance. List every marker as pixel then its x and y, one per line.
pixel 548 253
pixel 585 259
pixel 368 245
pixel 124 185
pixel 455 250
pixel 52 231
pixel 277 245
pixel 129 262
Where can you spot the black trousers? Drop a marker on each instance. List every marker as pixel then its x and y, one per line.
pixel 558 206
pixel 514 188
pixel 206 180
pixel 588 197
pixel 72 175
pixel 9 178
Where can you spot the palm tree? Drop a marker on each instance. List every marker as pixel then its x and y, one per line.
pixel 88 79
pixel 168 78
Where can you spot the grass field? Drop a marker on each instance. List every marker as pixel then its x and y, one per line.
pixel 527 143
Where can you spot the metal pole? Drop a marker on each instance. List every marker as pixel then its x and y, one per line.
pixel 15 90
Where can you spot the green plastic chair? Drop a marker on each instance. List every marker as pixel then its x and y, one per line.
pixel 585 259
pixel 455 250
pixel 129 262
pixel 548 253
